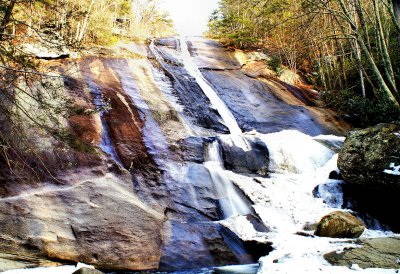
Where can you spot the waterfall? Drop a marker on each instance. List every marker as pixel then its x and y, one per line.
pixel 230 199
pixel 216 102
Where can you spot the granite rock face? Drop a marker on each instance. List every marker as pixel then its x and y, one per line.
pixel 95 220
pixel 85 270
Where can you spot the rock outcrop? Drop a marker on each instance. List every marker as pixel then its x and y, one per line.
pixel 372 156
pixel 95 219
pixel 340 224
pixel 375 253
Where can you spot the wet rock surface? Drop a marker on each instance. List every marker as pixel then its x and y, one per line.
pixel 203 244
pixel 191 97
pixel 255 108
pixel 340 224
pixel 374 253
pixel 211 55
pixel 253 102
pixel 370 156
pixel 245 154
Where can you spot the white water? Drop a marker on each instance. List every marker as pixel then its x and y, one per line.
pixel 230 200
pixel 286 204
pixel 216 102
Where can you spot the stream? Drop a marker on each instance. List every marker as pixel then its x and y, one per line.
pixel 238 173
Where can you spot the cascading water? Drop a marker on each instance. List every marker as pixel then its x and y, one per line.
pixel 216 102
pixel 229 198
pixel 231 202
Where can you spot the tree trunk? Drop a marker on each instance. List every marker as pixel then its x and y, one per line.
pixel 384 50
pixel 6 18
pixel 360 13
pixel 360 16
pixel 85 22
pixel 379 78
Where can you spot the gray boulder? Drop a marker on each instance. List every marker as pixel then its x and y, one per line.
pixel 245 155
pixel 372 156
pixel 375 253
pixel 339 224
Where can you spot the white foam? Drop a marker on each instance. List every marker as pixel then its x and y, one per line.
pixel 300 163
pixel 294 152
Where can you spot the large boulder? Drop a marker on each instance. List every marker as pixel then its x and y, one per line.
pixel 375 253
pixel 372 156
pixel 340 224
pixel 245 155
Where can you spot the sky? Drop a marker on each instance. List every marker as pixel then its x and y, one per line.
pixel 190 16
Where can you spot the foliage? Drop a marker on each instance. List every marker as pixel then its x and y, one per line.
pixel 33 105
pixel 360 111
pixel 275 63
pixel 347 44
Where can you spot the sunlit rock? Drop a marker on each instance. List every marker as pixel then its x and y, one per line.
pixel 340 224
pixel 98 220
pixel 375 253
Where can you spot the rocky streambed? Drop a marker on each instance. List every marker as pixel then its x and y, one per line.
pixel 181 179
